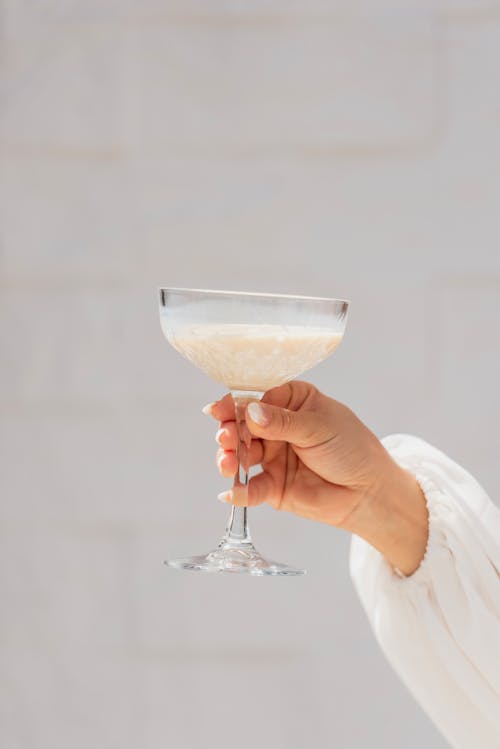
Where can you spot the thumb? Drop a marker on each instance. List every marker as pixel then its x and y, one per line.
pixel 300 428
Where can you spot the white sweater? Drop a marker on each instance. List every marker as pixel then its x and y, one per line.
pixel 440 627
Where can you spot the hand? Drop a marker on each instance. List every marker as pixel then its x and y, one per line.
pixel 321 462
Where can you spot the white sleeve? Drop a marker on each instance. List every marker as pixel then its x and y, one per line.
pixel 440 627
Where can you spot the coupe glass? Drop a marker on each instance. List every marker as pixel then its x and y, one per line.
pixel 250 343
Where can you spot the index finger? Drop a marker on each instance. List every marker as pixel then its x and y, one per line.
pixel 222 410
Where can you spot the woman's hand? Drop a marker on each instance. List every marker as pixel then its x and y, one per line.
pixel 321 462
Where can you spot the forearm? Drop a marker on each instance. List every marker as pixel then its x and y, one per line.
pixel 393 518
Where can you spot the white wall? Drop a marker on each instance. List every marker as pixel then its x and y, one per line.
pixel 308 147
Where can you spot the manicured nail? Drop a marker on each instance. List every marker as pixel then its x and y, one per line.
pixel 225 496
pixel 207 410
pixel 258 414
pixel 218 435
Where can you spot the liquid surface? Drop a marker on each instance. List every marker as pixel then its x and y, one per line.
pixel 252 357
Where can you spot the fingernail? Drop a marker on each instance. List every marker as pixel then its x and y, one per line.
pixel 225 496
pixel 218 435
pixel 258 414
pixel 207 410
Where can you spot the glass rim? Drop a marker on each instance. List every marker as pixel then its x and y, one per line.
pixel 254 294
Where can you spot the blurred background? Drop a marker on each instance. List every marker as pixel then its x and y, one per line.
pixel 321 148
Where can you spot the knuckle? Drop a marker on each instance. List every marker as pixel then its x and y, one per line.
pixel 284 420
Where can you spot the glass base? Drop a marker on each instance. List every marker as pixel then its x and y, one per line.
pixel 234 558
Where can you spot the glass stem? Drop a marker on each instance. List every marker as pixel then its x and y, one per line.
pixel 237 531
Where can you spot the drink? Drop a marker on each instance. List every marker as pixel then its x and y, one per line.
pixel 251 343
pixel 252 356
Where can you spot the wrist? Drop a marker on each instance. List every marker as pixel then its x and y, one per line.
pixel 392 516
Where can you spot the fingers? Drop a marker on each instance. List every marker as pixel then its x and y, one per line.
pixel 287 398
pixel 299 428
pixel 227 462
pixel 292 395
pixel 261 488
pixel 227 436
pixel 222 410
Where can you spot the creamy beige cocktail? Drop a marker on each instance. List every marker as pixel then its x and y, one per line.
pixel 252 356
pixel 251 343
